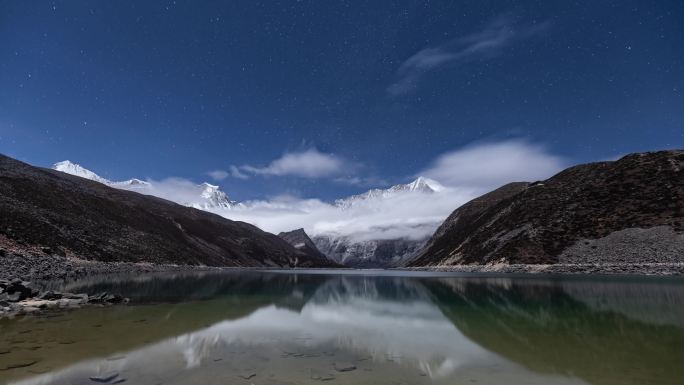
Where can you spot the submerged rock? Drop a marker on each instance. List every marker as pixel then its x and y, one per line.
pixel 20 364
pixel 104 379
pixel 344 367
pixel 247 376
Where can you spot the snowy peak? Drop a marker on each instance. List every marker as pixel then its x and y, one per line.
pixel 420 185
pixel 69 167
pixel 208 196
pixel 213 197
pixel 131 184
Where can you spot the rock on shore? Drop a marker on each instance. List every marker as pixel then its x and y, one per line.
pixel 21 297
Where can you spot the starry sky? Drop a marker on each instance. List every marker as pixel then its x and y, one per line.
pixel 328 98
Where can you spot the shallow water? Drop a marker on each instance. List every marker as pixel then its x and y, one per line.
pixel 351 328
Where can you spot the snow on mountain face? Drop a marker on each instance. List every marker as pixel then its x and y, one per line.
pixel 349 251
pixel 420 185
pixel 203 196
pixel 368 254
pixel 341 247
pixel 75 169
pixel 214 198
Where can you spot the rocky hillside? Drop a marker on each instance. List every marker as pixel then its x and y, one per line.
pixel 627 211
pixel 361 252
pixel 46 211
pixel 300 240
pixel 381 253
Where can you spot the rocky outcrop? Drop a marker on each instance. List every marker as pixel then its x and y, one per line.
pixel 635 203
pixel 369 253
pixel 300 240
pixel 20 297
pixel 46 212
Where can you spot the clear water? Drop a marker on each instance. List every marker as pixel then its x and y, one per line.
pixel 370 328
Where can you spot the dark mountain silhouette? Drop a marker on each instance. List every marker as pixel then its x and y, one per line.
pixel 626 211
pixel 47 210
pixel 300 240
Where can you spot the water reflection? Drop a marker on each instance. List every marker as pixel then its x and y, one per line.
pixel 263 328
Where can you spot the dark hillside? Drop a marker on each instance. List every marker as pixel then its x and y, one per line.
pixel 65 214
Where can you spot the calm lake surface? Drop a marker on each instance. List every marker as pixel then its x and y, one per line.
pixel 353 328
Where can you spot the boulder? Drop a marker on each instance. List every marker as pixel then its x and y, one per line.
pixel 15 297
pixel 19 289
pixel 51 295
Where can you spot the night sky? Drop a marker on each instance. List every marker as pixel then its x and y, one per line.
pixel 378 90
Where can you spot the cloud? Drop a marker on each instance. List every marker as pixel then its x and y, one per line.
pixel 218 174
pixel 232 171
pixel 306 164
pixel 410 215
pixel 370 181
pixel 236 173
pixel 486 166
pixel 484 44
pixel 467 172
pixel 179 190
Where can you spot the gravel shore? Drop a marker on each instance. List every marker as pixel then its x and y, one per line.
pixel 54 267
pixel 579 268
pixel 45 268
pixel 23 280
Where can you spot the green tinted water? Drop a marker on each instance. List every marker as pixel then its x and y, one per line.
pixel 284 328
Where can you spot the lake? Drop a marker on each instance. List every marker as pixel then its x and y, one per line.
pixel 369 327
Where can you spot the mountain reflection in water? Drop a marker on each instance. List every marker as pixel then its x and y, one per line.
pixel 284 328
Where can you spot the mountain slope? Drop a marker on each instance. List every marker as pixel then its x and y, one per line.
pixel 89 220
pixel 420 185
pixel 203 196
pixel 379 253
pixel 627 211
pixel 300 240
pixel 355 251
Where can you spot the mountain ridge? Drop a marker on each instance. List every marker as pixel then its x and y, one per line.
pixel 624 211
pixel 300 240
pixel 85 219
pixel 375 253
pixel 419 185
pixel 208 196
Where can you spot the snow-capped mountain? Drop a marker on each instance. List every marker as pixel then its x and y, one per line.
pixel 214 197
pixel 345 247
pixel 347 250
pixel 203 196
pixel 75 169
pixel 420 185
pixel 368 254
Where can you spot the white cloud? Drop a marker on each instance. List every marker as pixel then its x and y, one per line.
pixel 306 164
pixel 408 215
pixel 218 174
pixel 468 172
pixel 486 166
pixel 236 173
pixel 177 190
pixel 480 45
pixel 370 181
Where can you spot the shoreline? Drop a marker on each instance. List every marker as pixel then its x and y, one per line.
pixel 632 269
pixel 48 268
pixel 51 268
pixel 31 273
